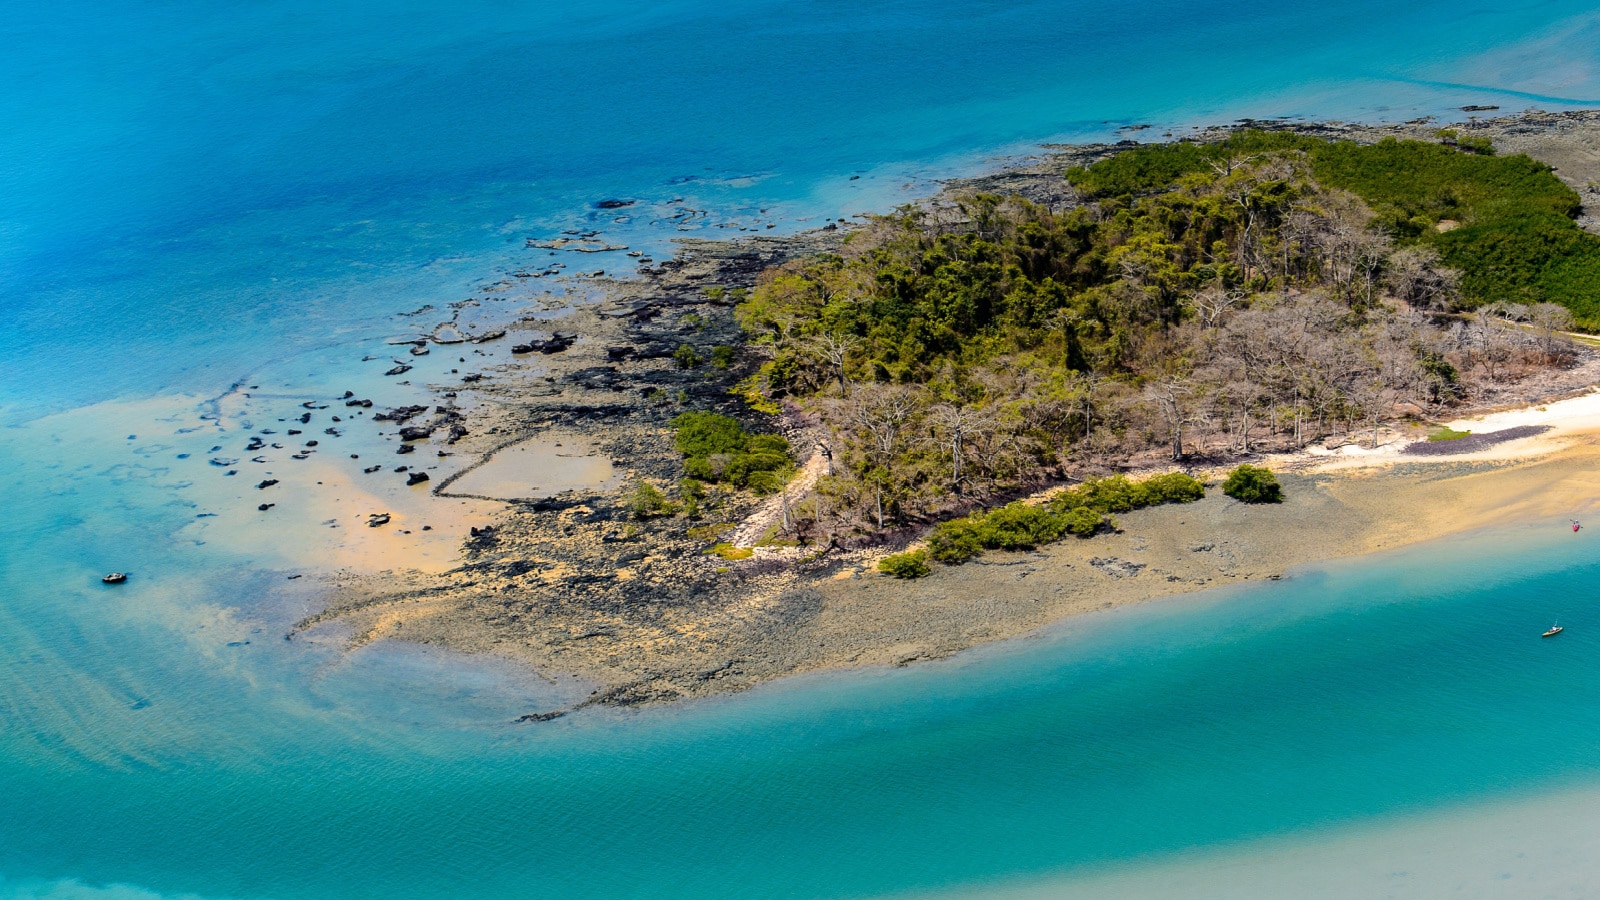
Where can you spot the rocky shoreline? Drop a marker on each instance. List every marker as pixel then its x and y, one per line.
pixel 576 583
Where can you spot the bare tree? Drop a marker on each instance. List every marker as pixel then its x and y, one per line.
pixel 953 427
pixel 1170 396
pixel 881 414
pixel 1550 322
pixel 1415 275
pixel 834 350
pixel 1212 303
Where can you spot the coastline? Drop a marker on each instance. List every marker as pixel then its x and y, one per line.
pixel 564 584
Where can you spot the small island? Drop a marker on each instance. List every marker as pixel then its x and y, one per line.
pixel 1104 375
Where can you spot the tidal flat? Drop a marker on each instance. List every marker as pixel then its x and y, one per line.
pixel 572 582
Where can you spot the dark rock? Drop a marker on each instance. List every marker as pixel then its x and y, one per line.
pixel 366 404
pixel 348 395
pixel 370 469
pixel 304 418
pixel 415 432
pixel 457 432
pixel 406 448
pixel 266 484
pixel 655 350
pixel 400 414
pixel 378 519
pixel 614 204
pixel 617 354
pixel 419 351
pixel 398 370
pixel 416 478
pixel 1472 442
pixel 489 336
pixel 311 443
pixel 590 579
pixel 266 506
pixel 471 377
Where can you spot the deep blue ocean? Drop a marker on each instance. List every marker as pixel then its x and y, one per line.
pixel 195 197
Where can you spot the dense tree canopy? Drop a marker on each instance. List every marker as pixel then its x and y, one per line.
pixel 1270 289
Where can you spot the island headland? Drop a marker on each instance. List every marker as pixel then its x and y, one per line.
pixel 708 509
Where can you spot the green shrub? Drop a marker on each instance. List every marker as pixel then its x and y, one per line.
pixel 1446 433
pixel 955 541
pixel 1118 494
pixel 906 565
pixel 692 492
pixel 729 551
pixel 764 482
pixel 716 448
pixel 1084 522
pixel 1175 487
pixel 1081 511
pixel 722 357
pixel 686 356
pixel 646 501
pixel 1253 484
pixel 1016 526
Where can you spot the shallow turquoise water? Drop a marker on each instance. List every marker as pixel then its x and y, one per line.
pixel 198 196
pixel 1343 696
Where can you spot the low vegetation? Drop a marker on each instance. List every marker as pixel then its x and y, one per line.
pixel 646 501
pixel 1081 511
pixel 906 565
pixel 1446 433
pixel 1253 484
pixel 717 449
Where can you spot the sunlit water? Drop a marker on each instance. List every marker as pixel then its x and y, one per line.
pixel 211 215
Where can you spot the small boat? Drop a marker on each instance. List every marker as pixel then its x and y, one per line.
pixel 1554 630
pixel 114 578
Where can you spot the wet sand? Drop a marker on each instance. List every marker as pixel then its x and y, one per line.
pixel 743 629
